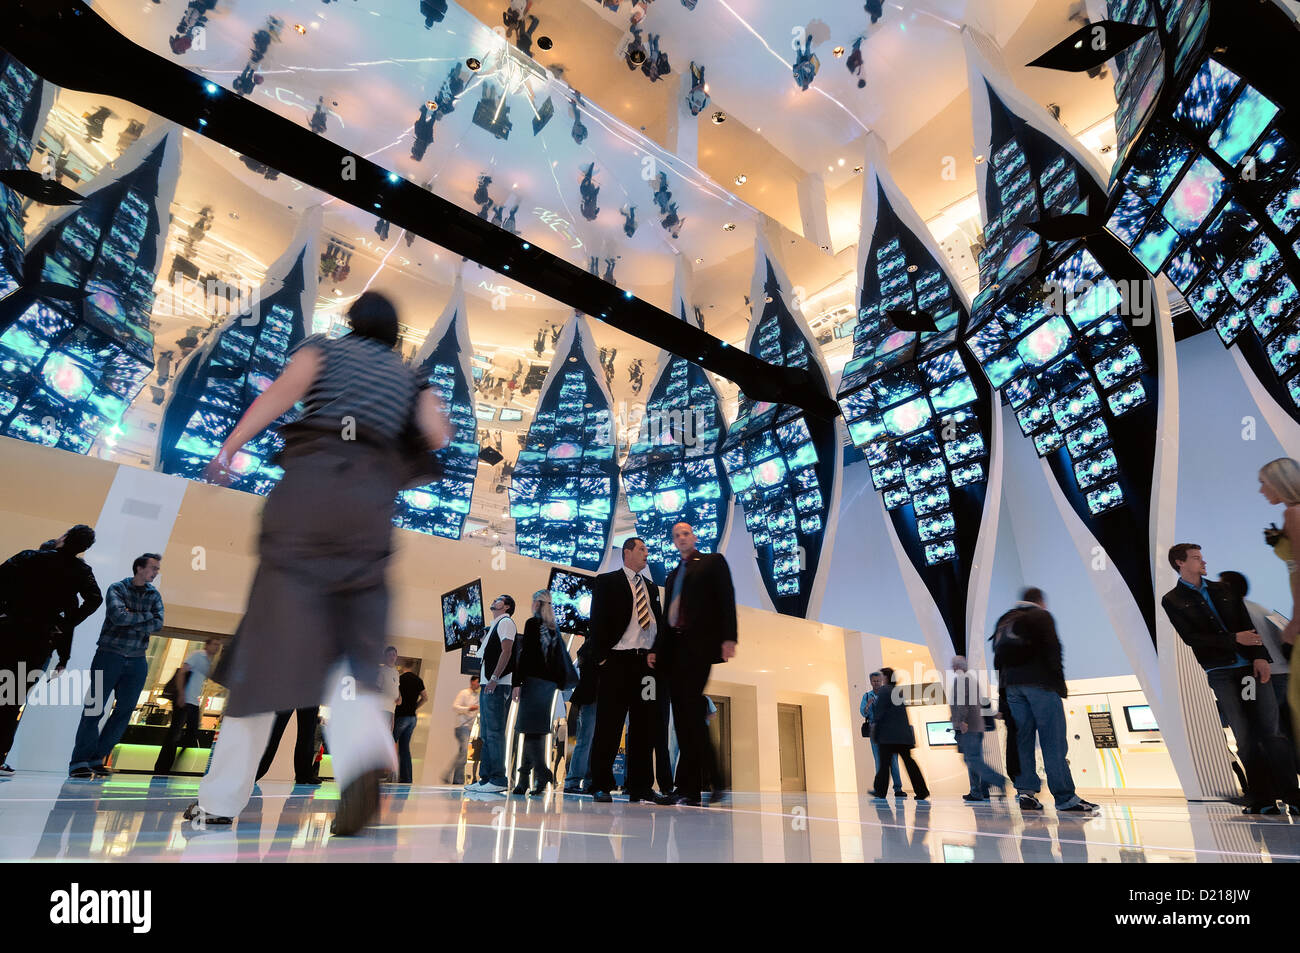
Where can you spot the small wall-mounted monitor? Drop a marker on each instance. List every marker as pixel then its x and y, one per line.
pixel 939 734
pixel 571 600
pixel 485 412
pixel 1140 718
pixel 510 414
pixel 462 615
pixel 958 854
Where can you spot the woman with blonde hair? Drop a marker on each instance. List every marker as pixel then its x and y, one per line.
pixel 1279 482
pixel 539 673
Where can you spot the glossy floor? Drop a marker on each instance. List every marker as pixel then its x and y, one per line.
pixel 135 818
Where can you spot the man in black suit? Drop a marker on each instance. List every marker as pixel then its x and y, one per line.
pixel 625 619
pixel 1217 627
pixel 701 630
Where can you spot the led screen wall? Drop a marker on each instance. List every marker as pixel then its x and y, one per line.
pixel 781 463
pixel 24 97
pixel 75 342
pixel 915 402
pixel 440 508
pixel 673 472
pixel 1210 191
pixel 565 481
pixel 1060 327
pixel 235 364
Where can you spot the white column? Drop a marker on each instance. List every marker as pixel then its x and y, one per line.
pixel 812 211
pixel 137 517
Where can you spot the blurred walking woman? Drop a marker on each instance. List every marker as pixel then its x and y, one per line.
pixel 539 673
pixel 317 615
pixel 896 739
pixel 1279 481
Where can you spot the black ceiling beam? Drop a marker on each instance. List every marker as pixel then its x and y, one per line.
pixel 65 42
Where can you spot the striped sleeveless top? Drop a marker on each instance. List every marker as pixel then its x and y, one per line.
pixel 361 384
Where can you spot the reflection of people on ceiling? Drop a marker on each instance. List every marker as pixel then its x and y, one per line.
pixel 423 132
pixel 662 196
pixel 497 212
pixel 510 225
pixel 481 197
pixel 854 62
pixel 609 271
pixel 381 229
pixel 319 117
pixel 194 19
pixel 671 222
pixel 579 131
pixel 698 97
pixel 433 12
pixel 589 190
pixel 540 344
pixel 629 219
pixel 875 8
pixel 634 374
pixel 656 61
pixel 556 330
pixel 636 54
pixel 95 123
pixel 806 64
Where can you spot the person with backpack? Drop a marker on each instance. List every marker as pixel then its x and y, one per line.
pixel 1028 658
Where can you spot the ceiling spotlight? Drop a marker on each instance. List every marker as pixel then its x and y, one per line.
pixel 431 104
pixel 979 160
pixel 911 269
pixel 719 118
pixel 473 63
pixel 838 51
pixel 636 57
pixel 337 293
pixel 729 226
pixel 235 216
pixel 857 169
pixel 699 261
pixel 741 179
pixel 839 162
pixel 302 30
pixel 544 43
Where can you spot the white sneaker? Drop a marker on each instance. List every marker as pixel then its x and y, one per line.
pixel 487 787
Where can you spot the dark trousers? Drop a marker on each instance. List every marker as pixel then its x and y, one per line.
pixel 17 655
pixel 688 680
pixel 533 764
pixel 621 694
pixel 887 755
pixel 663 757
pixel 1266 754
pixel 184 717
pixel 304 749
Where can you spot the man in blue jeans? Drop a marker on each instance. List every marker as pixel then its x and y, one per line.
pixel 868 709
pixel 411 696
pixel 1027 653
pixel 494 696
pixel 134 612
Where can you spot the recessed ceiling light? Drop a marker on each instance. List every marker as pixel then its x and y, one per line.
pixel 699 261
pixel 741 179
pixel 302 30
pixel 473 64
pixel 637 57
pixel 838 51
pixel 911 268
pixel 544 43
pixel 857 169
pixel 235 216
pixel 719 118
pixel 839 162
pixel 979 160
pixel 337 292
pixel 729 226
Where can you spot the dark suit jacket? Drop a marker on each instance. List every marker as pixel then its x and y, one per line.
pixel 611 611
pixel 708 612
pixel 1213 642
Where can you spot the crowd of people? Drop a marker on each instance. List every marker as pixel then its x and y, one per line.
pixel 641 668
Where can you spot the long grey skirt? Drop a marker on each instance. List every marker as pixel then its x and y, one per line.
pixel 320 595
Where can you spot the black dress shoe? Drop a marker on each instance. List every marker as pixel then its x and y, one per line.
pixel 520 789
pixel 194 812
pixel 690 800
pixel 602 797
pixel 719 797
pixel 664 799
pixel 638 796
pixel 358 804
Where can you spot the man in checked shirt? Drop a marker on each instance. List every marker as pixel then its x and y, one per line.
pixel 134 612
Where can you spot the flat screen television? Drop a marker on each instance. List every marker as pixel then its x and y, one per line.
pixel 571 600
pixel 462 615
pixel 1140 718
pixel 939 734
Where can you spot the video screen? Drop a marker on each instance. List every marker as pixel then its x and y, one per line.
pixel 1140 718
pixel 462 615
pixel 940 734
pixel 571 600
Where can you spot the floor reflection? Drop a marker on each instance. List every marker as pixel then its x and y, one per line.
pixel 129 818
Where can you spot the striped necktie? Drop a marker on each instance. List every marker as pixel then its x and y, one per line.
pixel 642 602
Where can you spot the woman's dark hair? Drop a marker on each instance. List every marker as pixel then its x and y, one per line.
pixel 1237 583
pixel 888 674
pixel 373 316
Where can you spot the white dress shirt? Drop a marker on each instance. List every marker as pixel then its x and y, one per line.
pixel 635 637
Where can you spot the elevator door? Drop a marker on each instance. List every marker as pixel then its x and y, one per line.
pixel 789 727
